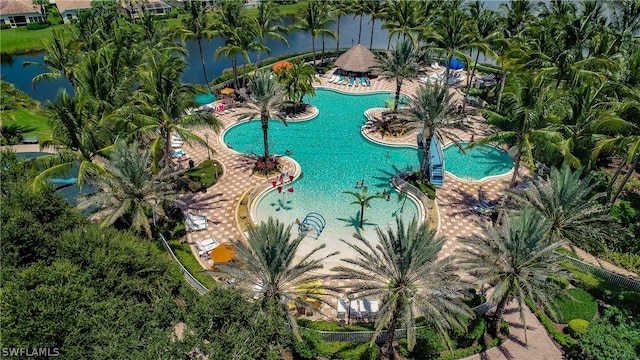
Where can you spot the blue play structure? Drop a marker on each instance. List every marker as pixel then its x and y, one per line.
pixel 313 221
pixel 63 182
pixel 435 165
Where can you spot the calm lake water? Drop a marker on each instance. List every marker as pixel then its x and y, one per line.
pixel 14 72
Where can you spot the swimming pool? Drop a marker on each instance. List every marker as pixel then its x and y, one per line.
pixel 477 163
pixel 333 156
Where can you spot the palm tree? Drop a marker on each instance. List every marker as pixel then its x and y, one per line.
pixel 427 111
pixel 129 189
pixel 364 200
pixel 358 9
pixel 314 19
pixel 298 81
pixel 266 260
pixel 451 34
pixel 160 106
pixel 569 202
pixel 265 101
pixel 81 136
pixel 524 123
pixel 404 18
pixel 196 26
pixel 400 64
pixel 340 8
pixel 519 260
pixel 404 271
pixel 266 27
pixel 230 18
pixel 60 59
pixel 244 40
pixel 378 10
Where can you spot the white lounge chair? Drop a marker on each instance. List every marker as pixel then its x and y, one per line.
pixel 196 222
pixel 206 245
pixel 333 79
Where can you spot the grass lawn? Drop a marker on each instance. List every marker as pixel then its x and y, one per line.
pixel 21 40
pixel 184 254
pixel 30 123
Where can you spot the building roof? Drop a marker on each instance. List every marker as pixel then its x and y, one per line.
pixel 356 59
pixel 66 5
pixel 10 7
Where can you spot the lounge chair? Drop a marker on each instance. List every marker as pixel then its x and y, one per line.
pixel 356 82
pixel 334 78
pixel 363 81
pixel 482 207
pixel 368 81
pixel 205 246
pixel 196 222
pixel 341 80
pixel 351 81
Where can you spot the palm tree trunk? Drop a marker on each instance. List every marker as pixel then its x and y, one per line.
pixel 258 60
pixel 503 80
pixel 398 88
pixel 614 177
pixel 361 214
pixel 360 31
pixel 388 341
pixel 494 327
pixel 322 48
pixel 265 135
pixel 234 66
pixel 516 168
pixel 373 23
pixel 167 152
pixel 473 72
pixel 204 69
pixel 313 49
pixel 626 178
pixel 244 72
pixel 338 41
pixel 389 43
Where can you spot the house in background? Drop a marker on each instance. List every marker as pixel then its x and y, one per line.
pixel 152 6
pixel 70 9
pixel 19 13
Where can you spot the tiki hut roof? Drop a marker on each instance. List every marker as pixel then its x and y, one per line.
pixel 356 59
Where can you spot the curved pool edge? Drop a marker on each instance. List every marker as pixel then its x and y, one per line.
pixel 263 189
pixel 367 135
pixel 366 92
pixel 481 180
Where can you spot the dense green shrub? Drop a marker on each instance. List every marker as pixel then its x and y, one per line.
pixel 578 326
pixel 627 261
pixel 308 348
pixel 582 306
pixel 429 344
pixel 614 336
pixel 628 212
pixel 323 325
pixel 566 341
pixel 608 292
pixel 425 186
pixel 38 25
pixel 5 26
pixel 475 329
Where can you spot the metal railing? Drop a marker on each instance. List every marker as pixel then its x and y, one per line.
pixel 604 274
pixel 366 336
pixel 201 289
pixel 399 182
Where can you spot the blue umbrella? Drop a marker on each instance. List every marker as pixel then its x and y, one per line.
pixel 456 64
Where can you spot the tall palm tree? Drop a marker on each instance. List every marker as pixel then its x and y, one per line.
pixel 531 107
pixel 404 271
pixel 400 64
pixel 245 42
pixel 358 9
pixel 160 106
pixel 265 101
pixel 60 59
pixel 452 34
pixel 364 200
pixel 518 259
pixel 230 18
pixel 269 259
pixel 266 26
pixel 313 20
pixel 129 189
pixel 298 81
pixel 339 9
pixel 403 18
pixel 196 26
pixel 569 202
pixel 378 10
pixel 81 136
pixel 427 111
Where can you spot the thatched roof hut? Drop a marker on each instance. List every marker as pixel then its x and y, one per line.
pixel 357 59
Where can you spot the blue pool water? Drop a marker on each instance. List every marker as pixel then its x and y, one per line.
pixel 333 156
pixel 476 163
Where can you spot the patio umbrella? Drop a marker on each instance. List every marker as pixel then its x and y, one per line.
pixel 227 91
pixel 223 253
pixel 456 64
pixel 357 59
